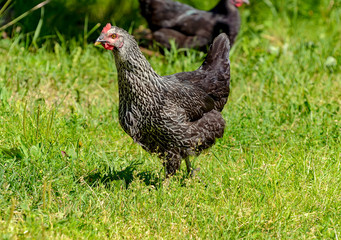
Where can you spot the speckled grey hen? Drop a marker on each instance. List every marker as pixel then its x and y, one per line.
pixel 174 116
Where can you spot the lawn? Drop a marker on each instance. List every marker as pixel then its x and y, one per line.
pixel 68 171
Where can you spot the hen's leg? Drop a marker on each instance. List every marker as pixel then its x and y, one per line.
pixel 190 170
pixel 164 35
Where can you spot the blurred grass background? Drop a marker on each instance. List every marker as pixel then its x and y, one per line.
pixel 69 17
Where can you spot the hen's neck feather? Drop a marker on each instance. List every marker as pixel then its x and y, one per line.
pixel 134 71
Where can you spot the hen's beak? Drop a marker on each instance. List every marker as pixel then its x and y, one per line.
pixel 246 1
pixel 99 41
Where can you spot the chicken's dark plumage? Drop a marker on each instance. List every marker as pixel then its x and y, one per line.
pixel 174 116
pixel 190 27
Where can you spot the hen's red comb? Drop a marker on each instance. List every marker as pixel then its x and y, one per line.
pixel 106 28
pixel 239 3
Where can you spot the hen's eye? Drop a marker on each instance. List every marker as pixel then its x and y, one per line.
pixel 114 35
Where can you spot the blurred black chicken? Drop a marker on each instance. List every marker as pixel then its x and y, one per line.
pixel 190 27
pixel 174 116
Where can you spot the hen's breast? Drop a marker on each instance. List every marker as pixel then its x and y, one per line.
pixel 140 105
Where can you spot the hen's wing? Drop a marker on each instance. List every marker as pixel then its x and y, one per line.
pixel 216 86
pixel 164 35
pixel 161 13
pixel 192 99
pixel 213 77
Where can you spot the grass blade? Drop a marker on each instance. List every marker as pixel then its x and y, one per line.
pixel 14 21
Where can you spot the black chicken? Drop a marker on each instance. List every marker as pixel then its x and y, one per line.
pixel 174 116
pixel 190 27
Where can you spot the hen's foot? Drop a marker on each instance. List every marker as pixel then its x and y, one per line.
pixel 192 172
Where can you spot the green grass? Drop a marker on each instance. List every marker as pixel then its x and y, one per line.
pixel 68 171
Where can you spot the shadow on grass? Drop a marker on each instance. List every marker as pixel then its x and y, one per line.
pixel 126 175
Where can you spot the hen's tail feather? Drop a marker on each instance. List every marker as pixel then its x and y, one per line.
pixel 218 56
pixel 217 68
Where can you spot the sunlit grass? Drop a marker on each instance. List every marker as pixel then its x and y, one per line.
pixel 68 171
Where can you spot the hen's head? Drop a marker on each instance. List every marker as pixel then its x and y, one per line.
pixel 113 38
pixel 239 3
